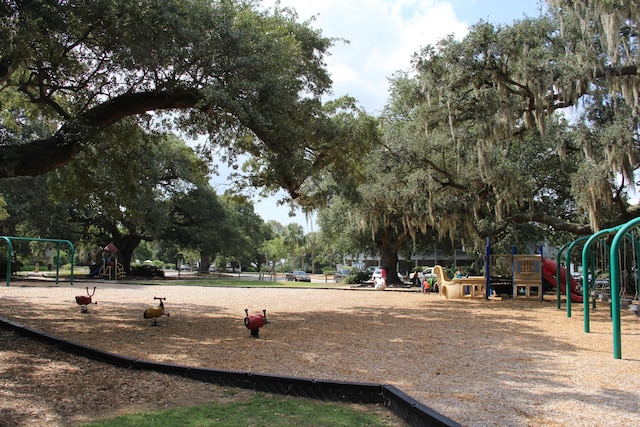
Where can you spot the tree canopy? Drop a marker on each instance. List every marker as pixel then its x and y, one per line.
pixel 504 82
pixel 532 125
pixel 250 79
pixel 117 189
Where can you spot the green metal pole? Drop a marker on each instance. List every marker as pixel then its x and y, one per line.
pixel 57 263
pixel 614 268
pixel 567 268
pixel 9 254
pixel 558 278
pixel 586 262
pixel 73 258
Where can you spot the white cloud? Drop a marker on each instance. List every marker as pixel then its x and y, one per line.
pixel 383 36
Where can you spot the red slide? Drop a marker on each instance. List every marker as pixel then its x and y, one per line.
pixel 549 269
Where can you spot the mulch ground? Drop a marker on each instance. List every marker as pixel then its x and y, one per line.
pixel 510 363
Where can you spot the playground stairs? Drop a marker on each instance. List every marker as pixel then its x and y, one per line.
pixel 113 272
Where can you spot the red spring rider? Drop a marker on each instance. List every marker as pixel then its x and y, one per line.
pixel 255 322
pixel 85 300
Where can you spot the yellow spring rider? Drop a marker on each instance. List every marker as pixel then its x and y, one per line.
pixel 154 312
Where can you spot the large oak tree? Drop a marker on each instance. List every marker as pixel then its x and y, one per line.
pixel 250 79
pixel 476 143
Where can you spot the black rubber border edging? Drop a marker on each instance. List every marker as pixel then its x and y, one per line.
pixel 410 410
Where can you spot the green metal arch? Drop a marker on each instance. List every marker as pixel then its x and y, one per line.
pixel 614 269
pixel 59 242
pixel 569 247
pixel 586 264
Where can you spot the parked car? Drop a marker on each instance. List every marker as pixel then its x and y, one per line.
pixel 371 270
pixel 427 273
pixel 340 274
pixel 378 274
pixel 298 276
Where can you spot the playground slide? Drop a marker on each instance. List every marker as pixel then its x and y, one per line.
pixel 549 268
pixel 459 288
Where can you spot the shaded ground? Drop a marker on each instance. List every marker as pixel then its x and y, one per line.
pixel 478 362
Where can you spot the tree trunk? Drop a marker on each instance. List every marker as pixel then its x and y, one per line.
pixel 126 245
pixel 388 247
pixel 204 263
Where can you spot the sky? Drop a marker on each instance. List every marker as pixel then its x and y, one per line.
pixel 383 35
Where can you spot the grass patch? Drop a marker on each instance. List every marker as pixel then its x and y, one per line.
pixel 261 410
pixel 226 281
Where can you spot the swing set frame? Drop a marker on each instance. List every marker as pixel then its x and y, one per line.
pixel 58 242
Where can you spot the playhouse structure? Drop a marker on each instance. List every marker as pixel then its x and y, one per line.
pixel 110 267
pixel 463 287
pixel 517 275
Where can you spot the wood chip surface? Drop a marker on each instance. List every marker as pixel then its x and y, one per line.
pixel 478 362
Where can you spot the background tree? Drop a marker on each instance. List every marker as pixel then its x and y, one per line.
pixel 326 257
pixel 251 79
pixel 293 237
pixel 117 190
pixel 3 209
pixel 249 232
pixel 274 250
pixel 29 206
pixel 199 220
pixel 312 240
pixel 343 236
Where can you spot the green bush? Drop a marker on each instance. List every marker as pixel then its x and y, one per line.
pixel 147 271
pixel 355 278
pixel 16 266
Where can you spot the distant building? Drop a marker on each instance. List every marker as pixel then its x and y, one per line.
pixel 440 257
pixel 450 258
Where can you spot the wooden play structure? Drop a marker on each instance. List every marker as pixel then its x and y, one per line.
pixel 527 276
pixel 520 276
pixel 464 287
pixel 110 268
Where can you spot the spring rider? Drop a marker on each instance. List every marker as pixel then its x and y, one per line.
pixel 84 300
pixel 255 322
pixel 154 312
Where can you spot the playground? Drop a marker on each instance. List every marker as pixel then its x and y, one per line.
pixel 519 362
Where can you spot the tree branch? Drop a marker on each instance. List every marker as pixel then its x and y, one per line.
pixel 561 225
pixel 45 155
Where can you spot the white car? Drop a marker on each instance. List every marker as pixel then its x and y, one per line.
pixel 427 273
pixel 378 274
